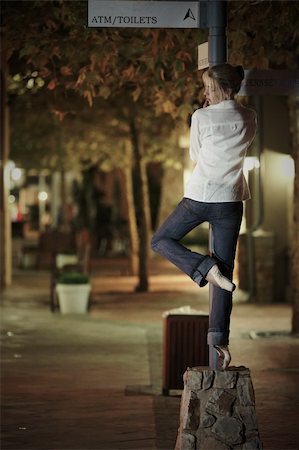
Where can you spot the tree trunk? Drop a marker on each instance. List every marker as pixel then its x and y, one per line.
pixel 294 267
pixel 5 222
pixel 143 210
pixel 133 231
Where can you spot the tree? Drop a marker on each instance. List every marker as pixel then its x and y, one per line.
pixel 254 44
pixel 143 68
pixel 41 141
pixel 149 68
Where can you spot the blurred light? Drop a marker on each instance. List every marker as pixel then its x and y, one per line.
pixel 34 73
pixel 93 145
pixel 42 196
pixel 177 165
pixel 16 174
pixel 11 198
pixel 40 82
pixel 250 163
pixel 184 141
pixel 11 165
pixel 287 166
pixel 17 77
pixel 30 83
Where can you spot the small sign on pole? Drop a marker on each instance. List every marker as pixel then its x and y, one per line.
pixel 143 14
pixel 203 56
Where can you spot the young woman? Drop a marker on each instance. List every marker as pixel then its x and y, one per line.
pixel 219 137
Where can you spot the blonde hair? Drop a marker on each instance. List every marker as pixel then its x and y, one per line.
pixel 224 79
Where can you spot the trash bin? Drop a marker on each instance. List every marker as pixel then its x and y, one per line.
pixel 184 345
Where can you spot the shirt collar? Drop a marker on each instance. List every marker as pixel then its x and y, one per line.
pixel 224 104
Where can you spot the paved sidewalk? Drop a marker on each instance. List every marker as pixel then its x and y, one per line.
pixel 93 382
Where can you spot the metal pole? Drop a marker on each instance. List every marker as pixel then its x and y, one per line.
pixel 217 11
pixel 217 19
pixel 213 355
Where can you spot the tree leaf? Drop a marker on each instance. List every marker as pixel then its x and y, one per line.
pixel 52 84
pixel 104 92
pixel 66 71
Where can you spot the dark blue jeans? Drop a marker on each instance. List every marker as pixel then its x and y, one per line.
pixel 225 220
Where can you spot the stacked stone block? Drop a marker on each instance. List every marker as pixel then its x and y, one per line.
pixel 218 411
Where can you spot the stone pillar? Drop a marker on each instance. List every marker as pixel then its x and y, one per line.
pixel 218 411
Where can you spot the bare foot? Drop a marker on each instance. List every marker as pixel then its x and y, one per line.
pixel 224 355
pixel 215 277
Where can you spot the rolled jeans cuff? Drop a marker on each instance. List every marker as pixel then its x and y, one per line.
pixel 218 338
pixel 199 274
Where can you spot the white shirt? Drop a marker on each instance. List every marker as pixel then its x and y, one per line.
pixel 219 137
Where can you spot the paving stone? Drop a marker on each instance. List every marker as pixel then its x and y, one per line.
pixel 248 416
pixel 193 414
pixel 188 441
pixel 245 392
pixel 207 420
pixel 228 430
pixel 220 402
pixel 210 443
pixel 225 379
pixel 193 379
pixel 208 378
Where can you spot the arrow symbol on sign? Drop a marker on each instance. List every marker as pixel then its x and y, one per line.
pixel 189 15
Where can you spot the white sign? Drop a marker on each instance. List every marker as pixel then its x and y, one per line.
pixel 270 82
pixel 203 56
pixel 143 14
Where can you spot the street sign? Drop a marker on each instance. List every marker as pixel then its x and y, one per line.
pixel 143 14
pixel 203 56
pixel 270 82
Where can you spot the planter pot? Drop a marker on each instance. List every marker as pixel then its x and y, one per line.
pixel 73 298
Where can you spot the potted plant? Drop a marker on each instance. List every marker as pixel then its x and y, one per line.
pixel 73 289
